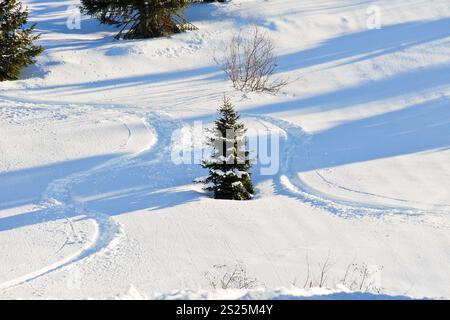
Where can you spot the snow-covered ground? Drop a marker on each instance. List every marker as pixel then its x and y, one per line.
pixel 260 294
pixel 91 203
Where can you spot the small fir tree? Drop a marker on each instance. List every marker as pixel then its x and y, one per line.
pixel 229 164
pixel 16 41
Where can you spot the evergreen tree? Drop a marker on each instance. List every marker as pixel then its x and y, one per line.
pixel 140 18
pixel 229 164
pixel 16 42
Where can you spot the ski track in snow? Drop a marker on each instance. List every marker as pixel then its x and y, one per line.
pixel 57 200
pixel 293 145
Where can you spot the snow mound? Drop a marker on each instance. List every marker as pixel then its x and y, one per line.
pixel 292 293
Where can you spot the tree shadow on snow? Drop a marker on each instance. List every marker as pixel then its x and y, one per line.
pixel 146 186
pixel 346 49
pixel 113 191
pixel 154 182
pixel 368 44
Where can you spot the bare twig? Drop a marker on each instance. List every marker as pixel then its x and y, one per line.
pixel 231 278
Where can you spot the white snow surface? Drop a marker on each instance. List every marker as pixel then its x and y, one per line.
pixel 291 293
pixel 91 204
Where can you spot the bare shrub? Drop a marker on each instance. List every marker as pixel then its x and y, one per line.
pixel 226 277
pixel 249 61
pixel 321 280
pixel 360 277
pixel 357 276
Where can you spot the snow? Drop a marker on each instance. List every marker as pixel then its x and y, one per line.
pixel 91 204
pixel 261 294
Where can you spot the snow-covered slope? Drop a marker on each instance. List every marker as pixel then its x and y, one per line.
pixel 91 203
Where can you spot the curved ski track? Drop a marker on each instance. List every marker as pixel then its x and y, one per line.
pixel 57 199
pixel 294 146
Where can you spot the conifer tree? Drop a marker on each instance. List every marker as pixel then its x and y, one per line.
pixel 140 18
pixel 229 163
pixel 16 41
